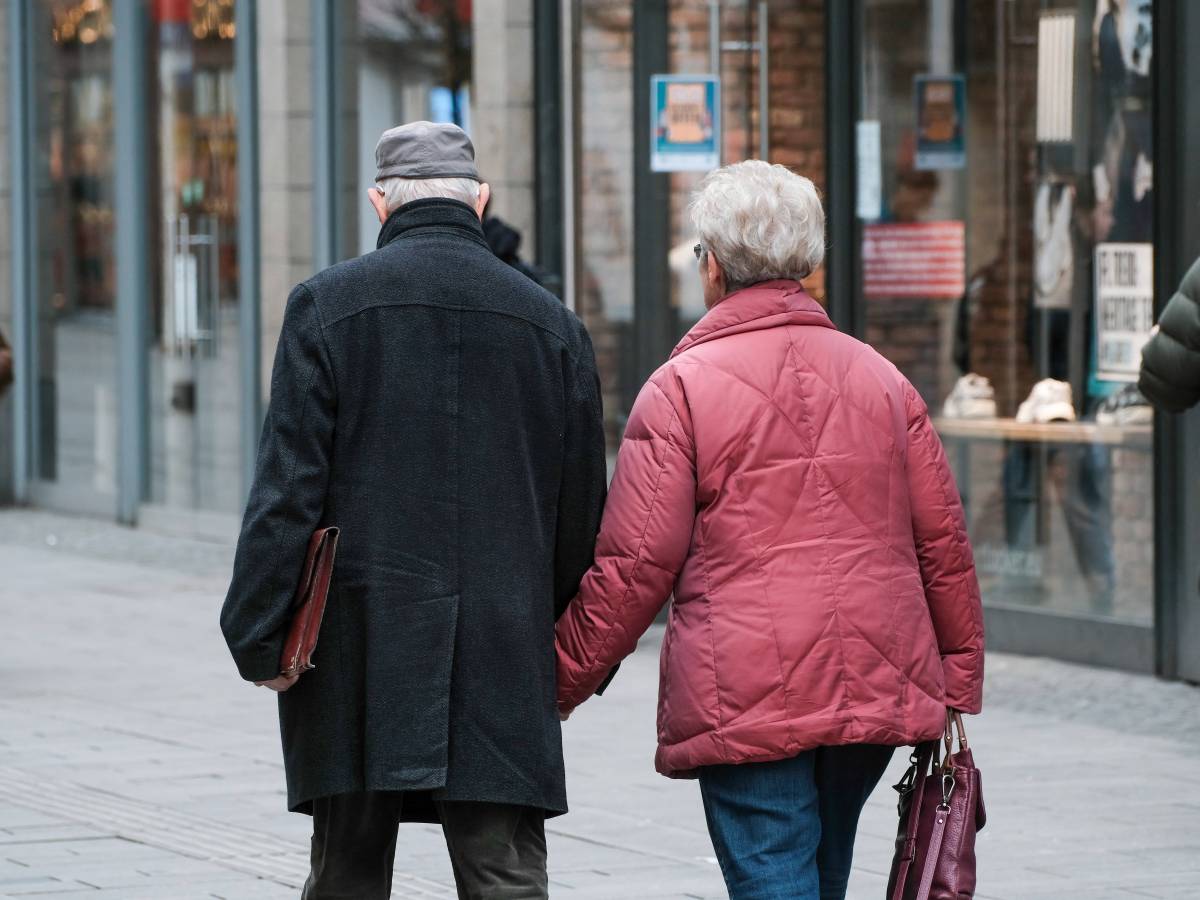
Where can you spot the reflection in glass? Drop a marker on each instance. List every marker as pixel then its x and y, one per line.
pixel 194 355
pixel 1012 283
pixel 75 409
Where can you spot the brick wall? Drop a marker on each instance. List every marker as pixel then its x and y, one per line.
pixel 796 86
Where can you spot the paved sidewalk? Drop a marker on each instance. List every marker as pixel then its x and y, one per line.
pixel 134 764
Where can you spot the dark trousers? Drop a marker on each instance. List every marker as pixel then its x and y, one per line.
pixel 498 852
pixel 785 830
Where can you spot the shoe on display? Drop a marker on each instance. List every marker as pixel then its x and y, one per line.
pixel 1049 401
pixel 1126 407
pixel 972 398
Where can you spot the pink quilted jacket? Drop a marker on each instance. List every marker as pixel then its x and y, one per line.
pixel 784 480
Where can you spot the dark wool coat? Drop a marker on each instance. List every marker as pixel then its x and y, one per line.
pixel 443 411
pixel 1171 360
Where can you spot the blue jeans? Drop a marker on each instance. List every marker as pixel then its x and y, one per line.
pixel 785 830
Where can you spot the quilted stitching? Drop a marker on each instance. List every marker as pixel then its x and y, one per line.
pixel 829 519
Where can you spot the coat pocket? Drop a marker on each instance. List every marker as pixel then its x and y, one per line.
pixel 410 655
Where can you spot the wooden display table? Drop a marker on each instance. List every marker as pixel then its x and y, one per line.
pixel 1136 436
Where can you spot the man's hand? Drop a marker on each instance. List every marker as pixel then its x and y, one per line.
pixel 564 714
pixel 280 683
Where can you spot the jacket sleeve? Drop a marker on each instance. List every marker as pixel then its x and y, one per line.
pixel 644 539
pixel 947 564
pixel 584 478
pixel 288 495
pixel 1170 376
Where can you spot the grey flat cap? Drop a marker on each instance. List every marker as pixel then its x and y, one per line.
pixel 425 150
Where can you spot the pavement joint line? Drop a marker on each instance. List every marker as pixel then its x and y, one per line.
pixel 229 846
pixel 136 821
pixel 625 848
pixel 170 742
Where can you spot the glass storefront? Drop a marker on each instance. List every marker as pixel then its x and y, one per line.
pixel 74 404
pixel 194 366
pixel 988 168
pixel 1005 195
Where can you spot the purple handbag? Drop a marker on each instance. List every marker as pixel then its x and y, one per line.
pixel 941 809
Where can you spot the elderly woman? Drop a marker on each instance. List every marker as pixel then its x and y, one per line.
pixel 784 480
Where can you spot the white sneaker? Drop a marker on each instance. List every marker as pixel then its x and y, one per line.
pixel 1126 407
pixel 972 398
pixel 1049 401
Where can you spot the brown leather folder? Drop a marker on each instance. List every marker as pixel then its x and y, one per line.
pixel 309 604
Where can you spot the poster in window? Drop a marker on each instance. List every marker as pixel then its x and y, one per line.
pixel 1124 308
pixel 685 124
pixel 941 122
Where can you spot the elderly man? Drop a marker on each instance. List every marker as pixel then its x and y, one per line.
pixel 444 412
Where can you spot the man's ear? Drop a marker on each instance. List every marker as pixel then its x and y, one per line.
pixel 379 202
pixel 481 202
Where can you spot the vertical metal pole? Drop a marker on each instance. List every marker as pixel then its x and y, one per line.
pixel 652 325
pixel 571 153
pixel 131 179
pixel 1176 80
pixel 324 92
pixel 714 65
pixel 764 81
pixel 548 149
pixel 841 114
pixel 24 299
pixel 249 262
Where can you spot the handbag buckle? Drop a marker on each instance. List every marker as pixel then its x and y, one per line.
pixel 947 789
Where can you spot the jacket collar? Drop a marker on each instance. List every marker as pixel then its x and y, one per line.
pixel 432 213
pixel 768 304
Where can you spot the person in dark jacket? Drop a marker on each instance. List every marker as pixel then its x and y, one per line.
pixel 444 412
pixel 1170 377
pixel 505 242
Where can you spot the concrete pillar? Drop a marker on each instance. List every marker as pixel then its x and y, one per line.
pixel 502 114
pixel 285 160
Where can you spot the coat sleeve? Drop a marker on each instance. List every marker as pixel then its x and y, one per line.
pixel 644 539
pixel 947 564
pixel 1170 376
pixel 288 495
pixel 584 478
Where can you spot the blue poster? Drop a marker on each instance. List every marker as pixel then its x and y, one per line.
pixel 685 123
pixel 941 122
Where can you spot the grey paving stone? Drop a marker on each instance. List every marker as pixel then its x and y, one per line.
pixel 132 755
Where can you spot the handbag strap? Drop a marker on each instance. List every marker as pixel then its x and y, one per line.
pixel 922 758
pixel 935 851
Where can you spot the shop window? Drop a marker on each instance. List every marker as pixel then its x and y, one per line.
pixel 1005 194
pixel 74 327
pixel 194 316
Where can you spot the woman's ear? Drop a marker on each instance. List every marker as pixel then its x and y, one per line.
pixel 716 275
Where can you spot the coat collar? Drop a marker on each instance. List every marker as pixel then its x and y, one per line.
pixel 768 304
pixel 434 212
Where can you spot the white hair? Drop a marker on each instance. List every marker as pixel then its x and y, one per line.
pixel 762 222
pixel 398 191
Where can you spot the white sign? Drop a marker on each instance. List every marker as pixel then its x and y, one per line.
pixel 870 174
pixel 1124 308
